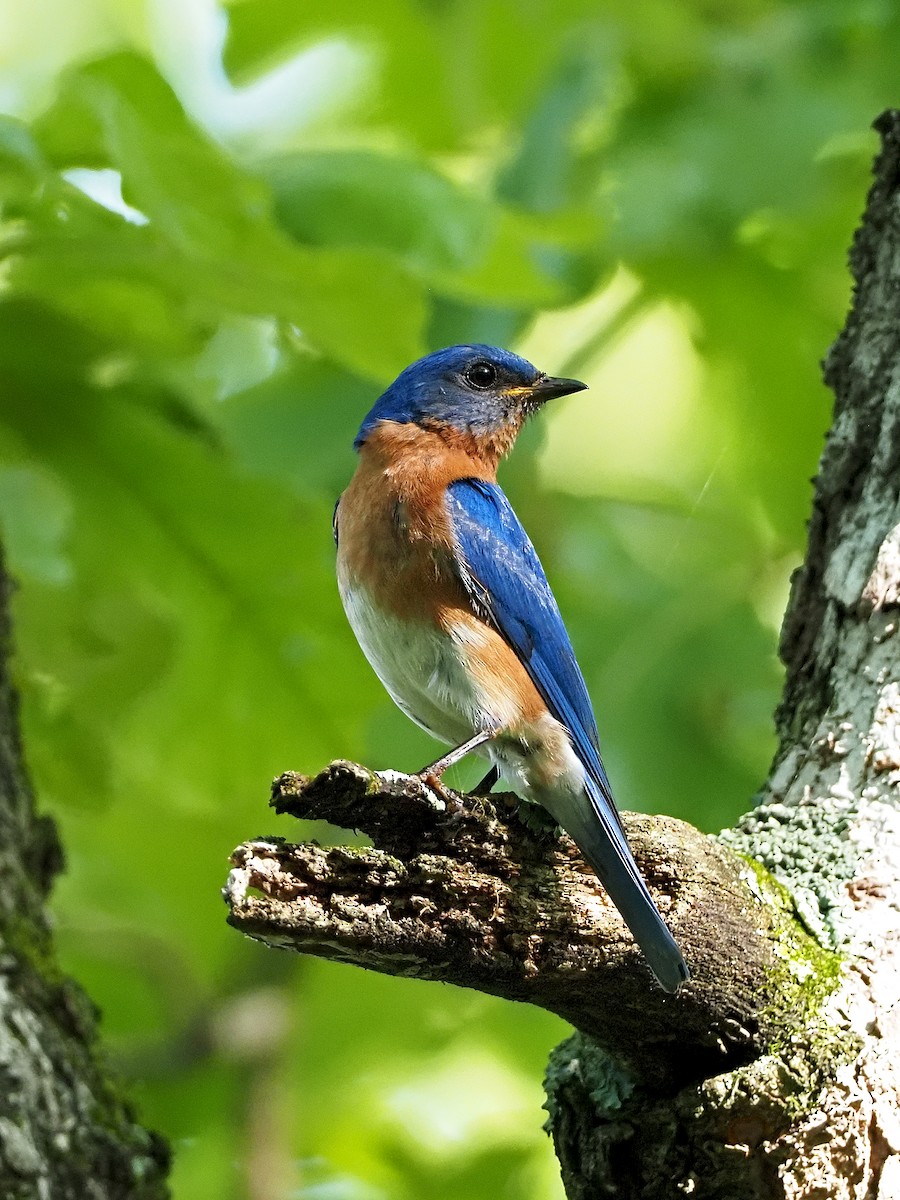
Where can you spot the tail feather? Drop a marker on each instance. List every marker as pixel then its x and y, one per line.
pixel 597 832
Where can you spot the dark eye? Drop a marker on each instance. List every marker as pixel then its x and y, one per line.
pixel 481 375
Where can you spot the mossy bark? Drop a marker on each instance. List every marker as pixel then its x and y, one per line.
pixel 775 1073
pixel 478 898
pixel 66 1133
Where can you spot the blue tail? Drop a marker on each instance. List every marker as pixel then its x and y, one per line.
pixel 597 831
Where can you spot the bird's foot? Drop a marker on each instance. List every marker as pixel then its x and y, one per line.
pixel 437 785
pixel 459 803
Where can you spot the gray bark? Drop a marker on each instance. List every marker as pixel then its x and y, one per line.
pixel 476 897
pixel 65 1131
pixel 774 1075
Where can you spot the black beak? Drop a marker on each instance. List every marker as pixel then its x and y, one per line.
pixel 548 388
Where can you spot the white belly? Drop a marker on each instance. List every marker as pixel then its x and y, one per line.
pixel 422 668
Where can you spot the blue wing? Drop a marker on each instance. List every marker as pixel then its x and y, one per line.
pixel 506 582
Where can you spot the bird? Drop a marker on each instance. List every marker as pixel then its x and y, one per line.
pixel 451 606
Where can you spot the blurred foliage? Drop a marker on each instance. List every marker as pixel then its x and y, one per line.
pixel 223 231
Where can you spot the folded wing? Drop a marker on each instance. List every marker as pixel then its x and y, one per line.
pixel 506 585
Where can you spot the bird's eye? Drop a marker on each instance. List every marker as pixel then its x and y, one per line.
pixel 481 375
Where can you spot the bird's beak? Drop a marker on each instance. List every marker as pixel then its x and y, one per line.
pixel 548 388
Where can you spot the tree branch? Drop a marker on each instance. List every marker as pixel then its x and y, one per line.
pixel 465 892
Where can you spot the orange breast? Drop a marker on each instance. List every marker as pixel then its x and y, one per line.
pixel 394 535
pixel 396 552
pixel 506 688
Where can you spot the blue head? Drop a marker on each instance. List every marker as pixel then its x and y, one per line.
pixel 477 390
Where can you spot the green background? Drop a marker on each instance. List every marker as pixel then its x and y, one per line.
pixel 656 197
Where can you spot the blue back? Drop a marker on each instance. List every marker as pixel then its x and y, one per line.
pixel 506 584
pixel 505 580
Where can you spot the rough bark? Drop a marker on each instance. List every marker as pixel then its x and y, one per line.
pixel 474 896
pixel 775 1073
pixel 65 1132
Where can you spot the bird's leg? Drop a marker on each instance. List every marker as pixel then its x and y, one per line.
pixel 483 787
pixel 436 769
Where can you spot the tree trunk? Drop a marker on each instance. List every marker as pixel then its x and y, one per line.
pixel 776 1072
pixel 819 1114
pixel 65 1131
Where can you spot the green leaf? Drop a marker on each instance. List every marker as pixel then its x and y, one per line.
pixel 211 232
pixel 464 245
pixel 263 33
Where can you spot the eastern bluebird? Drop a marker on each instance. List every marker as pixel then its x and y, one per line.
pixel 451 606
